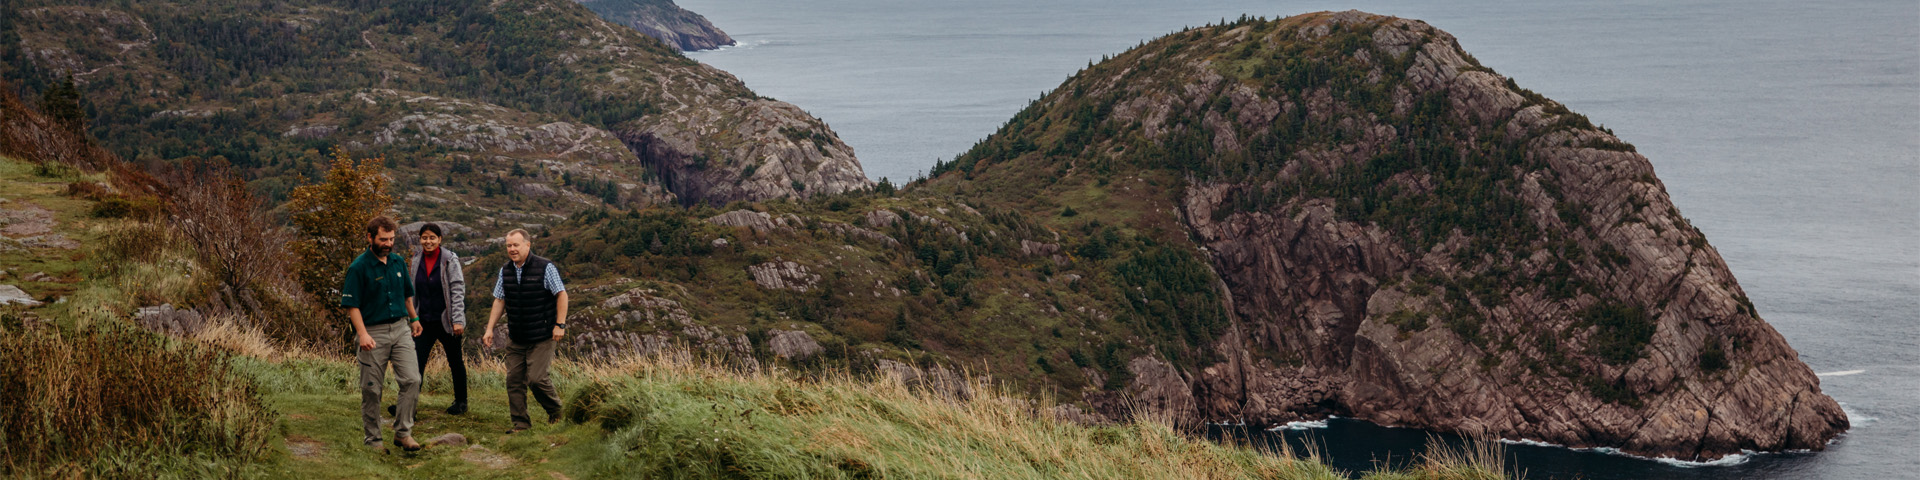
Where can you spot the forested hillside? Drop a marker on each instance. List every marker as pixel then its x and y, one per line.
pixel 529 106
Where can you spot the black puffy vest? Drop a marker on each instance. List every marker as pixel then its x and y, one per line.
pixel 530 307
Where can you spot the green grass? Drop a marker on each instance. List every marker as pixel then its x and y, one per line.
pixel 672 417
pixel 27 187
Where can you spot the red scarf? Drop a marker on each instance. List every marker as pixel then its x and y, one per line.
pixel 428 261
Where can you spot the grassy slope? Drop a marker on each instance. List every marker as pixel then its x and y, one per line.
pixel 656 417
pixel 676 418
pixel 26 190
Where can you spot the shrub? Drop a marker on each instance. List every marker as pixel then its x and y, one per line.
pixel 241 247
pixel 584 404
pixel 1713 358
pixel 1621 331
pixel 331 217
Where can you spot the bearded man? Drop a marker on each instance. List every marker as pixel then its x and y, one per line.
pixel 378 296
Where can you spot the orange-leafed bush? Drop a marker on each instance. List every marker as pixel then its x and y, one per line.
pixel 331 219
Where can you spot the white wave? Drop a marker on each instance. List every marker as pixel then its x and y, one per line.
pixel 1841 373
pixel 1530 442
pixel 1301 425
pixel 1855 417
pixel 728 48
pixel 1725 461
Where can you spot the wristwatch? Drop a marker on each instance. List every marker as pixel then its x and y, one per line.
pixel 561 326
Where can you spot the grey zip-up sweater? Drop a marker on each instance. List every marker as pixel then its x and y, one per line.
pixel 453 287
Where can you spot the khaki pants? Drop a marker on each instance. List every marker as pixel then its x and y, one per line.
pixel 527 370
pixel 392 345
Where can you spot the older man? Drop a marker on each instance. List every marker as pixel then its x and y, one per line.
pixel 529 292
pixel 378 296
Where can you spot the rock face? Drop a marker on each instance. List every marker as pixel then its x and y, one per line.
pixel 663 20
pixel 783 275
pixel 1406 237
pixel 743 149
pixel 792 344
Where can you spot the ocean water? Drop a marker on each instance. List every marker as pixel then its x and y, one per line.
pixel 1789 132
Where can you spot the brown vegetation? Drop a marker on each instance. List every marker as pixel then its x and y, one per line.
pixel 242 248
pixel 111 389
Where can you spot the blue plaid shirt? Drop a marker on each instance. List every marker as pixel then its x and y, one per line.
pixel 552 281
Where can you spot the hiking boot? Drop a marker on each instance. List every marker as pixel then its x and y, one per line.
pixel 457 408
pixel 516 429
pixel 407 443
pixel 393 410
pixel 376 447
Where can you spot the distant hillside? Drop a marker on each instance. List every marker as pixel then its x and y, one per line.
pixel 492 111
pixel 663 20
pixel 1400 234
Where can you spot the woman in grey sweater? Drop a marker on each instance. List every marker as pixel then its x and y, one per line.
pixel 440 295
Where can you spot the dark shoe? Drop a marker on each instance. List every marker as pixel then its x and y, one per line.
pixel 553 419
pixel 407 443
pixel 457 408
pixel 516 429
pixel 393 410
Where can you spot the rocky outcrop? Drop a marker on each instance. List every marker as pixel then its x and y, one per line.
pixel 743 149
pixel 938 380
pixel 1406 237
pixel 12 295
pixel 783 275
pixel 759 222
pixel 1381 329
pixel 792 344
pixel 663 20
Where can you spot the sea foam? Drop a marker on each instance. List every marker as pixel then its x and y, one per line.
pixel 1303 425
pixel 1729 460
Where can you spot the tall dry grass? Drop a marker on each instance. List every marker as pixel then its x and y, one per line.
pixel 118 402
pixel 673 415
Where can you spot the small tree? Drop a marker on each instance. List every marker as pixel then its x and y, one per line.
pixel 331 217
pixel 61 103
pixel 240 246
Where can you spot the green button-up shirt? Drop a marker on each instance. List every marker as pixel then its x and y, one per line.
pixel 380 291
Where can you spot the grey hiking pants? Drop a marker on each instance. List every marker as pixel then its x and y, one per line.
pixel 392 345
pixel 527 370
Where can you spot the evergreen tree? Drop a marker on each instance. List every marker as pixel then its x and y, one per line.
pixel 61 103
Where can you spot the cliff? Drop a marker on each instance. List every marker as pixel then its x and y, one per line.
pixel 663 20
pixel 1404 236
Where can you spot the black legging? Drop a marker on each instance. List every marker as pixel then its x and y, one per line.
pixel 430 333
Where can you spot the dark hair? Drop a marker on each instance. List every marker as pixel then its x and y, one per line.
pixel 432 227
pixel 381 224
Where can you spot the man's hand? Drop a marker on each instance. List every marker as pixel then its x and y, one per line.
pixel 459 329
pixel 559 332
pixel 416 327
pixel 487 339
pixel 366 341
